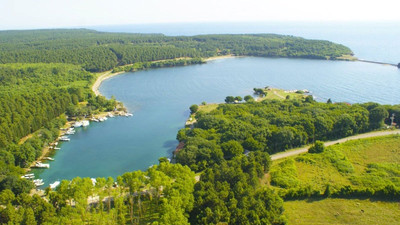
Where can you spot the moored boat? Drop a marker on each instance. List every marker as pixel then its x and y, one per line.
pixel 85 123
pixel 55 184
pixel 41 165
pixel 78 124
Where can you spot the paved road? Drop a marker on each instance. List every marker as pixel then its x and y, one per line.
pixel 360 136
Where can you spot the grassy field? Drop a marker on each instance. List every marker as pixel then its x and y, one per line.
pixel 372 162
pixel 342 211
pixel 278 94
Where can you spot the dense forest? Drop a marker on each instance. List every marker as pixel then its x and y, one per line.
pixel 273 126
pixel 34 98
pixel 98 51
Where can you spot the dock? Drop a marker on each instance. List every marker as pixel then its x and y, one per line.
pixel 381 63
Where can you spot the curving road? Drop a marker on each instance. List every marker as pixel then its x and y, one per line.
pixel 360 136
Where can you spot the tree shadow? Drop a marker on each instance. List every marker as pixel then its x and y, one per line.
pixel 171 146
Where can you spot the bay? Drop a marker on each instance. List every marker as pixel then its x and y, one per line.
pixel 160 101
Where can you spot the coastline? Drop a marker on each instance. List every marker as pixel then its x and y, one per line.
pixel 220 57
pixel 108 74
pixel 101 78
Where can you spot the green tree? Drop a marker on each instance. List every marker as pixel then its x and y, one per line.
pixel 29 217
pixel 230 99
pixel 231 149
pixel 194 108
pixel 238 98
pixel 377 116
pixel 248 98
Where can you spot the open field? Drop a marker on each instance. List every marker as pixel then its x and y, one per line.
pixel 342 211
pixel 371 162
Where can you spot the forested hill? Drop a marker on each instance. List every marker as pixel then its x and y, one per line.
pixel 99 51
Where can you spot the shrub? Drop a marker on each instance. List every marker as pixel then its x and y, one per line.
pixel 317 147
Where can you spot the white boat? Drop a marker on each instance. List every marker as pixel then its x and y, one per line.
pixel 85 123
pixel 55 184
pixel 128 114
pixel 49 158
pixel 28 176
pixel 38 182
pixel 94 119
pixel 56 148
pixel 110 115
pixel 70 132
pixel 42 165
pixel 64 138
pixel 78 124
pixel 101 119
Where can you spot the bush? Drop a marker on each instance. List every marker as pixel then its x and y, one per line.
pixel 194 108
pixel 317 147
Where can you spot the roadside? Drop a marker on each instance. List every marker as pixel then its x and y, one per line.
pixel 298 151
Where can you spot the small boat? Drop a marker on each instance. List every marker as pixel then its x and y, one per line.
pixel 56 148
pixel 64 138
pixel 38 182
pixel 55 184
pixel 78 124
pixel 48 158
pixel 85 123
pixel 110 115
pixel 128 114
pixel 70 131
pixel 28 176
pixel 42 165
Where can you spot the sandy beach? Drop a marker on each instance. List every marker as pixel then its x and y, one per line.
pixel 220 57
pixel 102 78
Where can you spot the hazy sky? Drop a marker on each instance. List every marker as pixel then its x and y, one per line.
pixel 23 14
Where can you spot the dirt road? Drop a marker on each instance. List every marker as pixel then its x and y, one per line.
pixel 360 136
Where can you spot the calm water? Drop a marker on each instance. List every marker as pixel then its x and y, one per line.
pixel 160 99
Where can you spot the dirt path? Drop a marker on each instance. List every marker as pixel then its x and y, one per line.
pixel 277 94
pixel 360 136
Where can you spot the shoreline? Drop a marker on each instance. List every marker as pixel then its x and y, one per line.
pixel 220 57
pixel 106 75
pixel 109 74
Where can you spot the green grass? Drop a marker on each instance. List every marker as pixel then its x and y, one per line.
pixel 278 94
pixel 372 162
pixel 342 211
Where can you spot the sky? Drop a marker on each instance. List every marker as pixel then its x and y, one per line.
pixel 33 14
